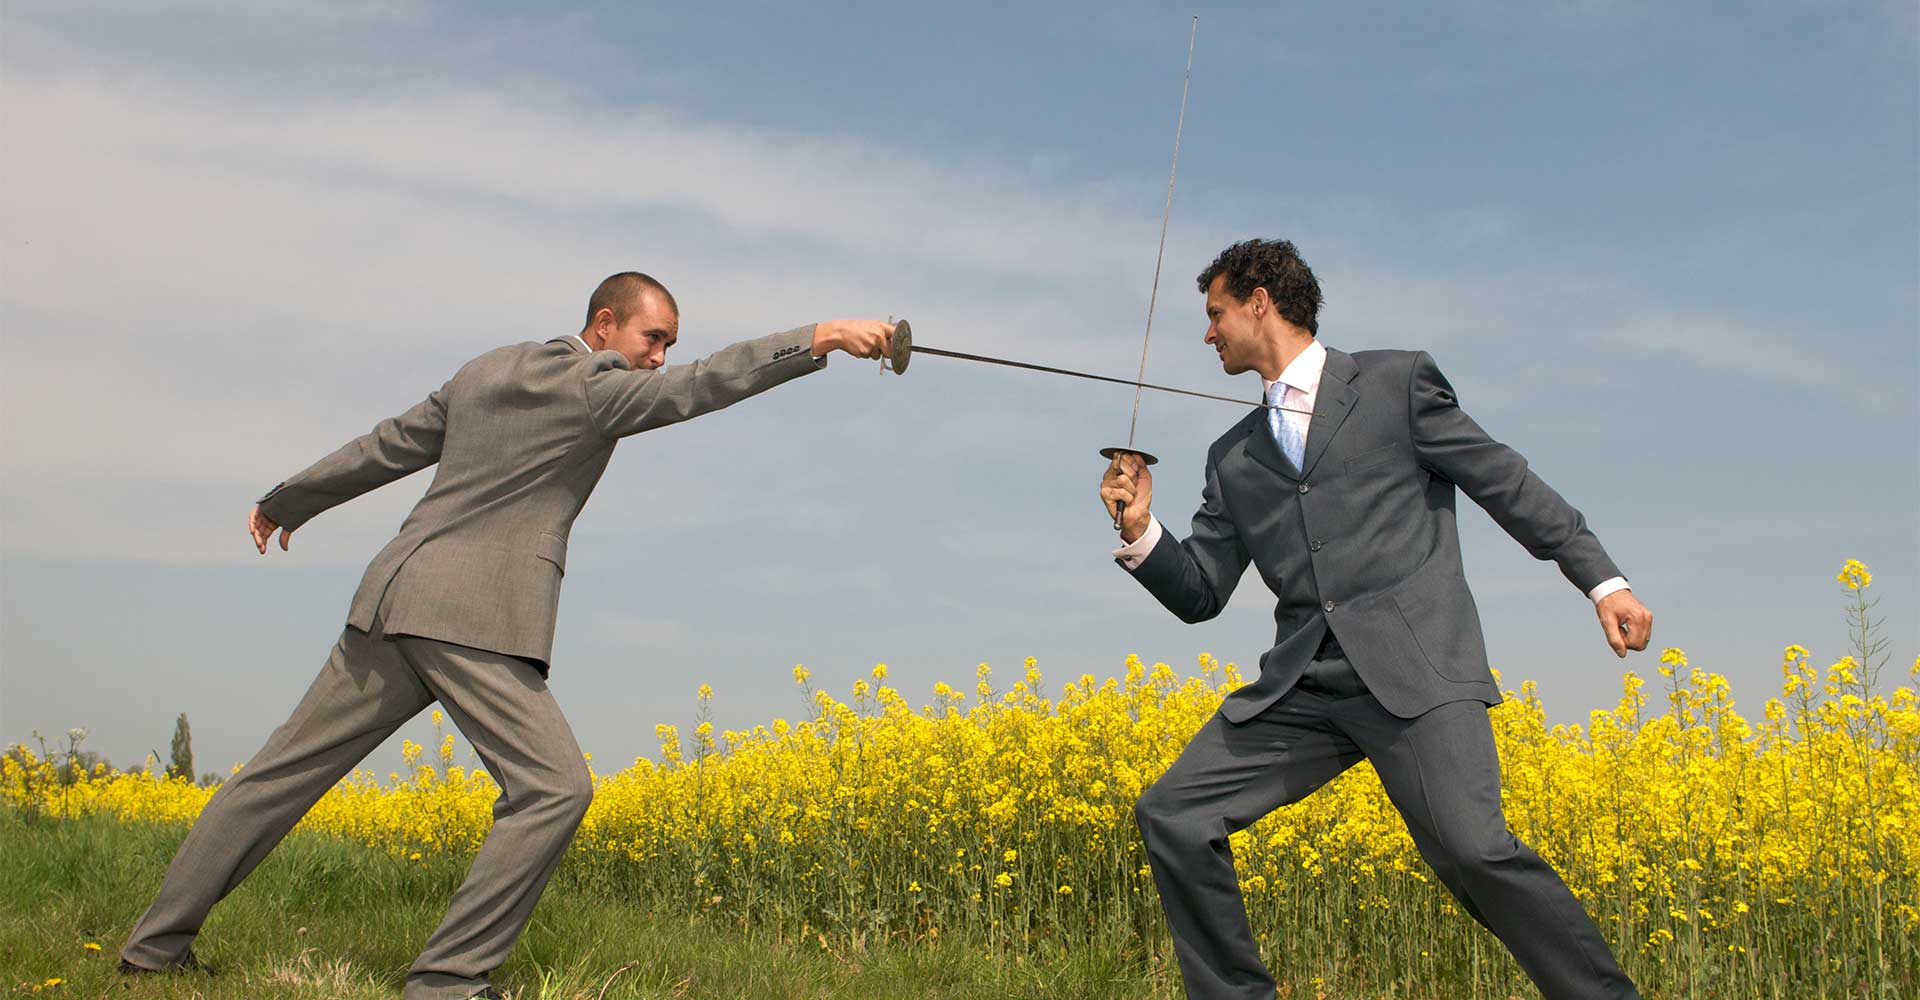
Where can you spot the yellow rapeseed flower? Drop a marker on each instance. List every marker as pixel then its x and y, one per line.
pixel 1697 822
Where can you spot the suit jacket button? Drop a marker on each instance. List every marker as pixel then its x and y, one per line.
pixel 1304 487
pixel 1329 607
pixel 1314 545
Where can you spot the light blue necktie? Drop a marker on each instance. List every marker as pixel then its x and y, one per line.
pixel 1286 433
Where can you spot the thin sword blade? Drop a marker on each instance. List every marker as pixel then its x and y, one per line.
pixel 1166 213
pixel 1137 385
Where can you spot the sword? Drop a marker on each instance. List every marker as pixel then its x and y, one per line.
pixel 1120 509
pixel 904 349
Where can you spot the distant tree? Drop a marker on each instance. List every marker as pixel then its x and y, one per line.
pixel 80 763
pixel 182 763
pixel 87 762
pixel 212 779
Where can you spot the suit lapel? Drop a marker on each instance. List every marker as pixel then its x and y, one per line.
pixel 1331 404
pixel 1262 448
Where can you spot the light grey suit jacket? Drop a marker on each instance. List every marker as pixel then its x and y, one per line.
pixel 521 435
pixel 1361 541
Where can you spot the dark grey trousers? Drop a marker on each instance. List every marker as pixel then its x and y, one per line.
pixel 368 687
pixel 1441 772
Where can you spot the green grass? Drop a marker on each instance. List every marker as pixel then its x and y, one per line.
pixel 322 918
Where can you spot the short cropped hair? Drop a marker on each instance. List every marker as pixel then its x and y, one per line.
pixel 1275 266
pixel 622 293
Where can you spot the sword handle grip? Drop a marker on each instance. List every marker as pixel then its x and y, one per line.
pixel 1109 453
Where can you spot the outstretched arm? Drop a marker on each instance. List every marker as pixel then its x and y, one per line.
pixel 625 401
pixel 395 447
pixel 1496 477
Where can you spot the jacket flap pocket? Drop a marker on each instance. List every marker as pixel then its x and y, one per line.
pixel 552 548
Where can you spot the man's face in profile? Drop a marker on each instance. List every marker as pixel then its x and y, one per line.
pixel 648 331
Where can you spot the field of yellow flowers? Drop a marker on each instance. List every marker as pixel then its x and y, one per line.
pixel 1723 856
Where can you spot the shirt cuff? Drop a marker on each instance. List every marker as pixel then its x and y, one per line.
pixel 1131 556
pixel 1607 587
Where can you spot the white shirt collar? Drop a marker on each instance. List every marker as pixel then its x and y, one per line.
pixel 1304 373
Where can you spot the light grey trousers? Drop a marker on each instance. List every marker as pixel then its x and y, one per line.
pixel 369 686
pixel 1442 773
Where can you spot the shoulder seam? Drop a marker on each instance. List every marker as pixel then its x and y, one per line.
pixel 586 396
pixel 1412 369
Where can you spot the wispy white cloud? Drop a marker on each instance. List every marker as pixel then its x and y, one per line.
pixel 235 233
pixel 844 192
pixel 208 289
pixel 1718 345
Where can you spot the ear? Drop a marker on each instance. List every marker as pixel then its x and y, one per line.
pixel 1260 301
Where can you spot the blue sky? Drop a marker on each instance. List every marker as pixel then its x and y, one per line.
pixel 1668 253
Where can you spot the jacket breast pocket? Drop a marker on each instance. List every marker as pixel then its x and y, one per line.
pixel 1373 456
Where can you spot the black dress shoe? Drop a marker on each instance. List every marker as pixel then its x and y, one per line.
pixel 191 963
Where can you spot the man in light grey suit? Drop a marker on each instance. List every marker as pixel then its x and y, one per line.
pixel 1342 496
pixel 459 608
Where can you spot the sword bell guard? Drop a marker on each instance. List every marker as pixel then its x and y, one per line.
pixel 902 347
pixel 1108 453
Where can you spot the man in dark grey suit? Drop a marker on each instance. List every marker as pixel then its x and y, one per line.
pixel 459 608
pixel 1342 496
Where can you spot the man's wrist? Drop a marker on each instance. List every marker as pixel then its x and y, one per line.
pixel 1132 554
pixel 1605 587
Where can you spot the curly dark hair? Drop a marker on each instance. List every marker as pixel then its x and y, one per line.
pixel 1275 266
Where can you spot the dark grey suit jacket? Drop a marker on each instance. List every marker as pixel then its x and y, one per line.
pixel 1362 540
pixel 521 435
